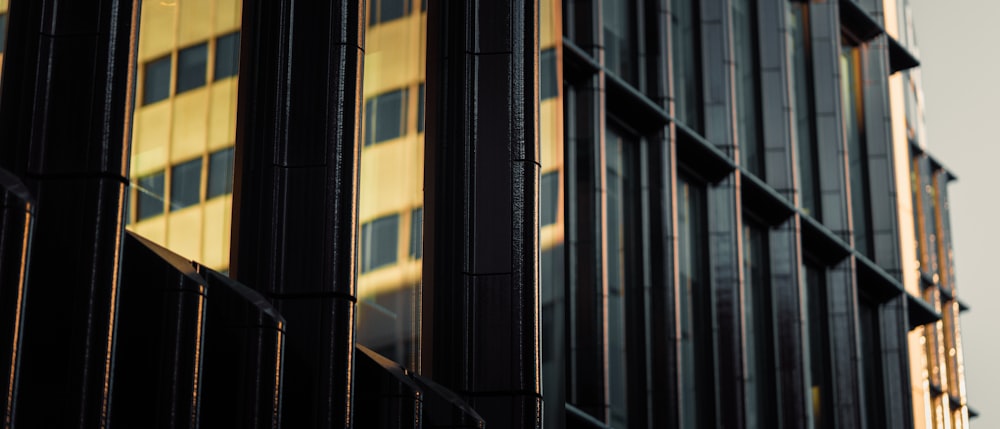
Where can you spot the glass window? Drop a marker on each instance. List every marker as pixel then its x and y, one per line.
pixel 821 391
pixel 548 82
pixel 420 108
pixel 747 90
pixel 227 55
pixel 696 313
pixel 686 62
pixel 385 117
pixel 191 64
pixel 185 184
pixel 3 31
pixel 853 111
pixel 549 198
pixel 220 173
pixel 416 233
pixel 871 361
pixel 379 240
pixel 759 317
pixel 156 85
pixel 150 196
pixel 804 112
pixel 387 10
pixel 620 40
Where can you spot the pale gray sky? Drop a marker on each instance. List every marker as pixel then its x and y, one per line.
pixel 960 66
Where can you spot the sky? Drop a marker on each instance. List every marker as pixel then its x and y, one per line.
pixel 959 65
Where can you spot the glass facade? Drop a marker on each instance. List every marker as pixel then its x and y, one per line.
pixel 747 85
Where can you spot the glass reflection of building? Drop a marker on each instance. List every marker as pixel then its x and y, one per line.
pixel 727 237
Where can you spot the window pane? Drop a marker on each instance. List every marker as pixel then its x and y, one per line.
pixel 619 39
pixel 747 91
pixel 871 362
pixel 819 351
pixel 548 82
pixel 156 85
pixel 150 192
pixel 379 239
pixel 853 111
pixel 760 327
pixel 391 9
pixel 191 64
pixel 385 117
pixel 220 173
pixel 227 55
pixel 185 184
pixel 416 233
pixel 803 87
pixel 549 198
pixel 687 62
pixel 3 31
pixel 696 313
pixel 420 108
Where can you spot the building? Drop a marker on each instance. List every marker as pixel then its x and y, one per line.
pixel 678 213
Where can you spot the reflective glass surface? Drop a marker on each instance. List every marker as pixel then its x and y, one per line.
pixel 853 115
pixel 686 62
pixel 191 65
pixel 759 319
pixel 747 89
pixel 156 85
pixel 185 184
pixel 227 55
pixel 821 393
pixel 799 46
pixel 620 40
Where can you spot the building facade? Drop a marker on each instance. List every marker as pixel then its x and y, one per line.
pixel 671 213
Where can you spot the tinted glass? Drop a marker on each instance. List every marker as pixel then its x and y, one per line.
pixel 549 198
pixel 420 108
pixel 385 117
pixel 379 240
pixel 220 173
pixel 150 195
pixel 3 31
pixel 388 10
pixel 191 64
pixel 156 85
pixel 548 83
pixel 185 184
pixel 803 87
pixel 761 410
pixel 853 112
pixel 819 351
pixel 696 313
pixel 686 62
pixel 747 91
pixel 871 357
pixel 619 39
pixel 227 55
pixel 416 233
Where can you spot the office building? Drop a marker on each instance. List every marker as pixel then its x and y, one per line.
pixel 671 213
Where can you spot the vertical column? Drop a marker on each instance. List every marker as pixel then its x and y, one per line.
pixel 16 219
pixel 481 324
pixel 64 129
pixel 724 217
pixel 295 201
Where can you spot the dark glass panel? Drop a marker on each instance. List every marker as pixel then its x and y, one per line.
pixel 150 191
pixel 697 355
pixel 385 117
pixel 389 321
pixel 185 184
pixel 227 55
pixel 819 348
pixel 191 65
pixel 220 173
pixel 804 111
pixel 871 362
pixel 156 84
pixel 747 88
pixel 420 108
pixel 379 239
pixel 416 233
pixel 851 100
pixel 762 408
pixel 686 63
pixel 619 39
pixel 3 31
pixel 548 82
pixel 387 10
pixel 549 198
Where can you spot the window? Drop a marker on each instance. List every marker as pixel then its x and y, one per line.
pixel 220 173
pixel 620 40
pixel 852 100
pixel 871 361
pixel 227 55
pixel 416 233
pixel 3 31
pixel 385 117
pixel 379 239
pixel 549 198
pixel 185 184
pixel 804 111
pixel 759 321
pixel 420 108
pixel 686 62
pixel 747 91
pixel 549 82
pixel 696 313
pixel 191 65
pixel 819 349
pixel 386 10
pixel 150 196
pixel 156 85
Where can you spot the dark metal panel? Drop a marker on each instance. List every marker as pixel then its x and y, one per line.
pixel 789 300
pixel 295 193
pixel 776 97
pixel 842 303
pixel 158 365
pixel 830 142
pixel 897 390
pixel 481 172
pixel 65 120
pixel 881 165
pixel 17 208
pixel 386 397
